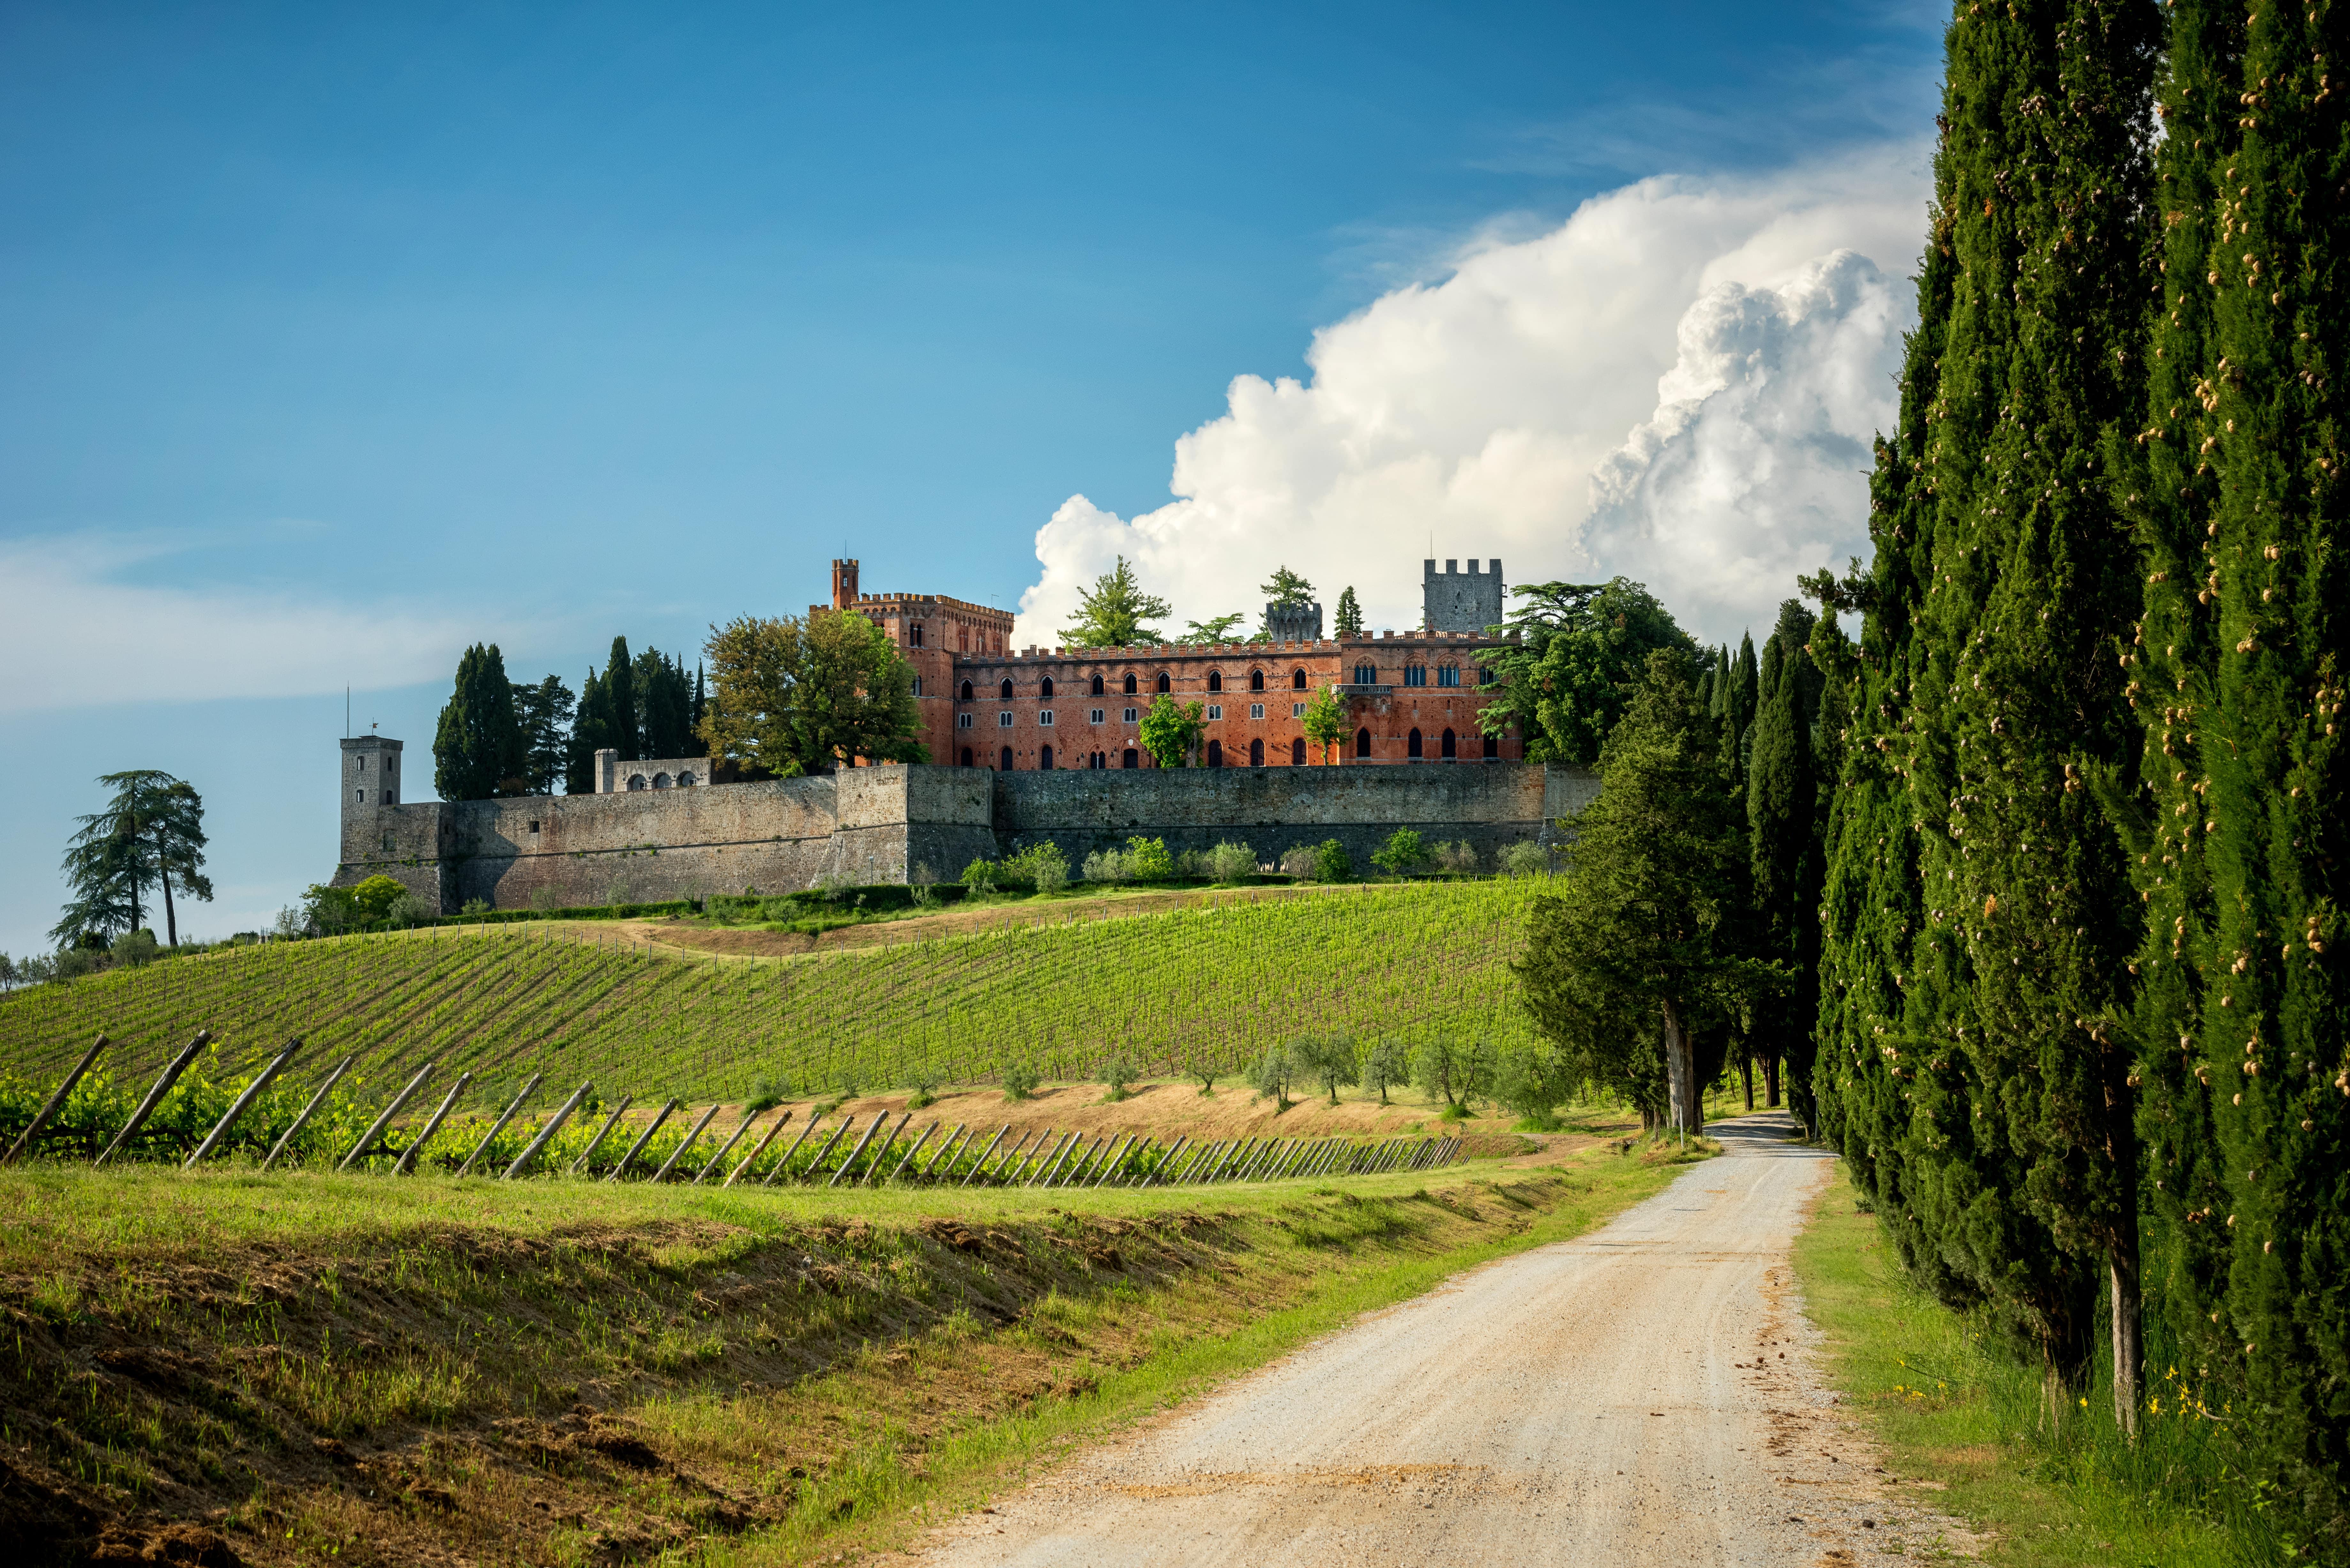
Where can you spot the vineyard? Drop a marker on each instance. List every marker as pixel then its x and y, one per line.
pixel 1203 988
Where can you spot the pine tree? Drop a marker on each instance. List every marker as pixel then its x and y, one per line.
pixel 544 713
pixel 478 750
pixel 1115 612
pixel 1350 613
pixel 2236 675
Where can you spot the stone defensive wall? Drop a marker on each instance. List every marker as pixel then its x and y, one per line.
pixel 876 824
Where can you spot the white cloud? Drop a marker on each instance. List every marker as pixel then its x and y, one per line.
pixel 1672 385
pixel 73 634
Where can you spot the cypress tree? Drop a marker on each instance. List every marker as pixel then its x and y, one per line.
pixel 1350 613
pixel 2236 675
pixel 620 703
pixel 478 748
pixel 589 733
pixel 1739 703
pixel 1783 850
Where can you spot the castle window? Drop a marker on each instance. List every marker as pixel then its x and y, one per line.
pixel 1004 719
pixel 1297 710
pixel 1297 680
pixel 1256 680
pixel 1006 694
pixel 685 780
pixel 966 691
pixel 1367 675
pixel 1215 709
pixel 918 686
pixel 361 760
pixel 1484 676
pixel 1130 714
pixel 1132 758
pixel 1215 681
pixel 533 826
pixel 1448 675
pixel 362 797
pixel 1129 685
pixel 1414 675
pixel 661 781
pixel 1256 709
pixel 1362 743
pixel 1215 754
pixel 1098 686
pixel 1093 715
pixel 962 721
pixel 966 756
pixel 1044 759
pixel 1047 688
pixel 1450 750
pixel 387 844
pixel 1007 759
pixel 1045 718
pixel 1163 683
pixel 1256 753
pixel 1411 744
pixel 391 797
pixel 1297 753
pixel 1492 748
pixel 636 781
pixel 914 634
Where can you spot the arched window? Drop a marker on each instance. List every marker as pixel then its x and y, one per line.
pixel 1449 750
pixel 1133 759
pixel 1297 680
pixel 966 691
pixel 1164 684
pixel 1045 758
pixel 914 634
pixel 1450 675
pixel 1007 759
pixel 1129 685
pixel 1256 753
pixel 966 756
pixel 1097 685
pixel 661 781
pixel 1297 753
pixel 1047 688
pixel 1215 681
pixel 1411 744
pixel 636 781
pixel 1215 754
pixel 1256 680
pixel 685 779
pixel 1362 743
pixel 1367 675
pixel 1492 748
pixel 1005 692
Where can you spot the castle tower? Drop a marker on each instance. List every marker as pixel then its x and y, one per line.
pixel 1294 623
pixel 1455 600
pixel 843 583
pixel 370 774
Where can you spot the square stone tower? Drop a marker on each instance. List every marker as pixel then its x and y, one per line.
pixel 370 774
pixel 1455 600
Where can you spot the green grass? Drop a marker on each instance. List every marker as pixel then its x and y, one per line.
pixel 1215 984
pixel 1948 1405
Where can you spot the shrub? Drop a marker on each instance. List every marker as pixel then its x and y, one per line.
pixel 1526 858
pixel 1107 867
pixel 766 1094
pixel 1332 862
pixel 1146 859
pixel 372 900
pixel 926 1092
pixel 1299 859
pixel 1272 1076
pixel 1459 856
pixel 1229 862
pixel 1118 1078
pixel 408 909
pixel 1019 1080
pixel 135 948
pixel 980 875
pixel 1042 867
pixel 475 906
pixel 1404 853
pixel 1387 1065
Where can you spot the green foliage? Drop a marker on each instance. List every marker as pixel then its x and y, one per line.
pixel 1453 1069
pixel 1326 720
pixel 1215 628
pixel 1404 853
pixel 1043 866
pixel 1386 1065
pixel 543 713
pixel 981 876
pixel 1146 860
pixel 150 833
pixel 1115 612
pixel 1287 590
pixel 1170 731
pixel 1524 858
pixel 1640 951
pixel 1534 1079
pixel 372 900
pixel 1582 647
pixel 1228 862
pixel 1350 614
pixel 1332 862
pixel 1272 1076
pixel 664 716
pixel 1329 1060
pixel 479 750
pixel 1117 1076
pixel 1019 1079
pixel 790 698
pixel 1786 853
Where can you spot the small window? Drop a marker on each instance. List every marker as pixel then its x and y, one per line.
pixel 1129 685
pixel 1215 709
pixel 533 825
pixel 1004 719
pixel 1411 744
pixel 1297 680
pixel 966 691
pixel 1256 753
pixel 1448 675
pixel 1098 687
pixel 1215 681
pixel 1414 675
pixel 1484 675
pixel 1449 747
pixel 1045 690
pixel 1164 684
pixel 685 780
pixel 1297 710
pixel 387 844
pixel 1132 758
pixel 1004 694
pixel 1131 714
pixel 1297 753
pixel 966 756
pixel 1045 758
pixel 362 797
pixel 914 634
pixel 361 760
pixel 661 781
pixel 1256 709
pixel 1492 748
pixel 1363 742
pixel 636 781
pixel 1256 680
pixel 1007 759
pixel 918 686
pixel 1215 754
pixel 1045 718
pixel 1367 675
pixel 962 721
pixel 1093 715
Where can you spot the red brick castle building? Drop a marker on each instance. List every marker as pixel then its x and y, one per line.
pixel 1410 697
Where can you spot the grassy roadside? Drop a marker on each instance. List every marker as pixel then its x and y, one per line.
pixel 315 1367
pixel 1947 1406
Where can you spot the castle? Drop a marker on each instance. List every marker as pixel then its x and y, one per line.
pixel 1027 746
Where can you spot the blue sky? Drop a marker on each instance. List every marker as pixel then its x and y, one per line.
pixel 332 337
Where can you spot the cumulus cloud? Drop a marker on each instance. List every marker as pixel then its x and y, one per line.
pixel 1678 383
pixel 74 634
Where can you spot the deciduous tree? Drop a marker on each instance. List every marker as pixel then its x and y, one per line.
pixel 1581 648
pixel 790 698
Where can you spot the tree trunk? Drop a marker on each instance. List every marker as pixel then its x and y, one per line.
pixel 1746 1071
pixel 2122 1246
pixel 170 921
pixel 1680 1072
pixel 1771 1081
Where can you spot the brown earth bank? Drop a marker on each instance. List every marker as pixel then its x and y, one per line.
pixel 606 1393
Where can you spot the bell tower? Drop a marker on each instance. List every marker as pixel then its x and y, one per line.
pixel 843 583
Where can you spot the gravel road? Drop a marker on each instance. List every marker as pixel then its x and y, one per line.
pixel 1641 1394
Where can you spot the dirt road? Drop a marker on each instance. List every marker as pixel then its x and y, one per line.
pixel 1641 1394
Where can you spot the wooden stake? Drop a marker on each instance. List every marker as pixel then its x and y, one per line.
pixel 726 1148
pixel 502 1121
pixel 604 1132
pixel 784 1164
pixel 171 1076
pixel 554 1126
pixel 408 1155
pixel 375 1129
pixel 41 1119
pixel 308 1111
pixel 679 1152
pixel 765 1140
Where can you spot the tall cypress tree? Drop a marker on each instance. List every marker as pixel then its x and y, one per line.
pixel 1783 850
pixel 2236 674
pixel 620 703
pixel 1739 701
pixel 478 748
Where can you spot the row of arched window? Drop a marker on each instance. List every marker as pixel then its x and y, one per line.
pixel 1162 683
pixel 684 780
pixel 1415 747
